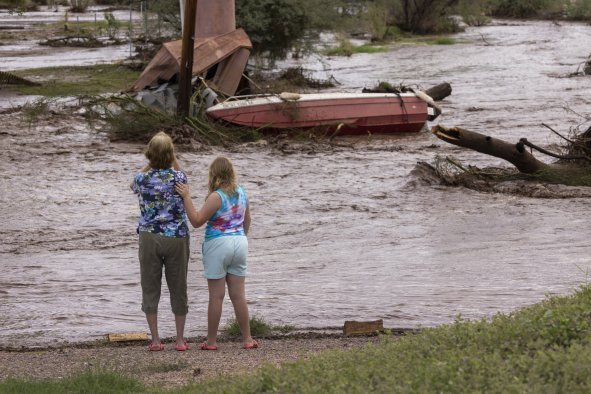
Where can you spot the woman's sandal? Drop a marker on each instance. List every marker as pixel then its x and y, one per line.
pixel 155 348
pixel 183 347
pixel 205 346
pixel 251 345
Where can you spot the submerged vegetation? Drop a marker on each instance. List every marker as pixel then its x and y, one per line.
pixel 540 348
pixel 125 118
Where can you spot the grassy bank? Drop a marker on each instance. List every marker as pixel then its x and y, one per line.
pixel 77 81
pixel 539 349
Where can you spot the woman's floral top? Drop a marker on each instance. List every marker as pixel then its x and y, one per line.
pixel 161 207
pixel 229 219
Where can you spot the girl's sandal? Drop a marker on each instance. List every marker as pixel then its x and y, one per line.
pixel 155 348
pixel 182 348
pixel 205 346
pixel 251 345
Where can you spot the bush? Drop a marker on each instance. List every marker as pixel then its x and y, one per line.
pixel 426 16
pixel 520 8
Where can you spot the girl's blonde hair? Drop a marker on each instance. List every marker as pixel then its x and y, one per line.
pixel 222 176
pixel 160 151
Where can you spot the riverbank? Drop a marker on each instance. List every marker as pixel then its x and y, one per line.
pixel 169 368
pixel 541 348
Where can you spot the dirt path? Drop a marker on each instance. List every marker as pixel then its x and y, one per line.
pixel 168 368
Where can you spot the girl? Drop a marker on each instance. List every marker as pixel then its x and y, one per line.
pixel 163 237
pixel 225 247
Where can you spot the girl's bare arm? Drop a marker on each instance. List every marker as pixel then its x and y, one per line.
pixel 247 219
pixel 209 208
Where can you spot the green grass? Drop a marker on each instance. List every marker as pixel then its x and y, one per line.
pixel 77 81
pixel 545 348
pixel 345 48
pixel 442 41
pixel 87 382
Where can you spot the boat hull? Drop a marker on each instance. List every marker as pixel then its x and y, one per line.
pixel 347 113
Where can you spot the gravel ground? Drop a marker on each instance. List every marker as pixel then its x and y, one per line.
pixel 168 368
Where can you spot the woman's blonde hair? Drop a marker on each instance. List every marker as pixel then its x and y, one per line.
pixel 160 151
pixel 222 176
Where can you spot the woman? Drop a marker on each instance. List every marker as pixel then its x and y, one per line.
pixel 163 237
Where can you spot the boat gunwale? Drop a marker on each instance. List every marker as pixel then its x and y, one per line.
pixel 260 100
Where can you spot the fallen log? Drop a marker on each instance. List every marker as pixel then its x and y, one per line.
pixel 439 92
pixel 515 154
pixel 572 169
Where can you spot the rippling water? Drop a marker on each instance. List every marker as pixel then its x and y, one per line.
pixel 349 233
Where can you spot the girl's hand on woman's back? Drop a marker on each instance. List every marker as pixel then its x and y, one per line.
pixel 182 189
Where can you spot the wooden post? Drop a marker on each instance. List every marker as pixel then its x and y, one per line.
pixel 186 66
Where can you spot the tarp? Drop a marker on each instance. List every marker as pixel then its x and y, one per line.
pixel 231 49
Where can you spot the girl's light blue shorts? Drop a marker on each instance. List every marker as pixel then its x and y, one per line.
pixel 224 255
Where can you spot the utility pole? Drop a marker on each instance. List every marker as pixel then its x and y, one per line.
pixel 186 66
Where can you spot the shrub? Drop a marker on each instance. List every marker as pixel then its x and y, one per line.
pixel 519 8
pixel 426 16
pixel 474 12
pixel 579 10
pixel 273 26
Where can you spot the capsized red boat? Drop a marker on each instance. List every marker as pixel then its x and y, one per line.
pixel 347 113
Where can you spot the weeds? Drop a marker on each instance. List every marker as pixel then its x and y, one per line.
pixel 258 327
pixel 32 111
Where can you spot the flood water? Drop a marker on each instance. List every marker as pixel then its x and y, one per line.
pixel 344 234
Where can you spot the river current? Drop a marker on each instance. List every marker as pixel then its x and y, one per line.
pixel 349 233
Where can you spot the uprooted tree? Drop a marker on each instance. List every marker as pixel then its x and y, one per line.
pixel 572 168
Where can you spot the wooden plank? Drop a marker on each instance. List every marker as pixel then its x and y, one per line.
pixel 352 327
pixel 132 336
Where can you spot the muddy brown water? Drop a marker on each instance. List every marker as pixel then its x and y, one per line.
pixel 346 233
